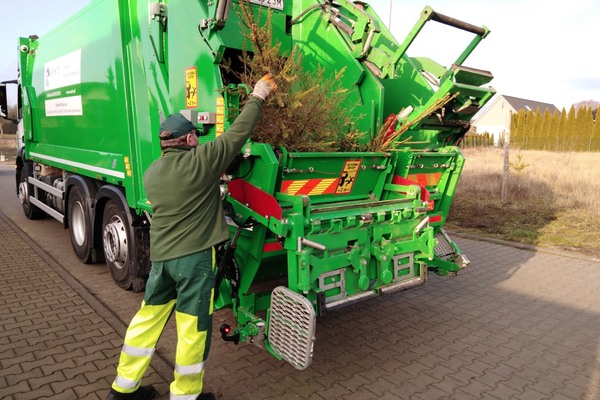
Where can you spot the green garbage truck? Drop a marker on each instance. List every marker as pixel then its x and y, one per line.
pixel 310 231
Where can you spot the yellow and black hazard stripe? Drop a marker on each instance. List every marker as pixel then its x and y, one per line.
pixel 309 187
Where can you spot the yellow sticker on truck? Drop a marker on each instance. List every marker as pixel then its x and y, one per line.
pixel 191 87
pixel 348 176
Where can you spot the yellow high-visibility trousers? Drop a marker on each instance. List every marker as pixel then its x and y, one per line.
pixel 185 285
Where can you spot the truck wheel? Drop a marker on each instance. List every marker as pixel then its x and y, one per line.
pixel 25 189
pixel 116 240
pixel 79 226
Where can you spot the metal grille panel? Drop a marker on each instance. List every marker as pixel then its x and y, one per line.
pixel 292 327
pixel 444 249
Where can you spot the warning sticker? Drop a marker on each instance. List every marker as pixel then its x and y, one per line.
pixel 348 177
pixel 220 126
pixel 191 87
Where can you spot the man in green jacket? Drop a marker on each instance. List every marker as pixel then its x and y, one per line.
pixel 187 222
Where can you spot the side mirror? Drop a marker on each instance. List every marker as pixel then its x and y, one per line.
pixel 3 101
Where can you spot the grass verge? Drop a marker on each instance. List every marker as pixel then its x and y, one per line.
pixel 553 199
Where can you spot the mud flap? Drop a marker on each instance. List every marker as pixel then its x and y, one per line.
pixel 291 327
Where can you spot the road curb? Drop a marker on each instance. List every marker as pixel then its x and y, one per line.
pixel 522 246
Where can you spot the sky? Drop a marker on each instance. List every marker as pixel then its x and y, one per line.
pixel 541 50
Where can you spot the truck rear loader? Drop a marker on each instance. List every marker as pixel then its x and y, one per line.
pixel 311 231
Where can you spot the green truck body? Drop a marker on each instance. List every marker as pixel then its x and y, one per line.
pixel 311 231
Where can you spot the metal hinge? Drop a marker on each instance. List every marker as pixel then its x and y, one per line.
pixel 159 13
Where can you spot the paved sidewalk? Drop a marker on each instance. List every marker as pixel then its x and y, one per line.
pixel 56 340
pixel 517 324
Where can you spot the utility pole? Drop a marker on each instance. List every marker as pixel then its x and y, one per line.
pixel 390 19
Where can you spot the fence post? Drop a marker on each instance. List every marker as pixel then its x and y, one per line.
pixel 504 192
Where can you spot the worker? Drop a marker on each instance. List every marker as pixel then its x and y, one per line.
pixel 187 223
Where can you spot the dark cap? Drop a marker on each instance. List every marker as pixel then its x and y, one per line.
pixel 178 125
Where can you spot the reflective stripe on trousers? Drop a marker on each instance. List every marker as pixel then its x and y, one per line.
pixel 139 344
pixel 190 357
pixel 186 284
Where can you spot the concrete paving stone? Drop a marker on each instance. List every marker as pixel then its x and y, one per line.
pixel 423 380
pixel 66 394
pixel 39 361
pixel 586 381
pixel 439 371
pixel 14 369
pixel 463 375
pixel 72 344
pixel 303 391
pixel 431 392
pixel 261 393
pixel 491 359
pixel 69 385
pixel 78 370
pixel 503 351
pixel 335 391
pixel 447 384
pixel 475 387
pixel 89 359
pixel 101 346
pixel 96 387
pixel 515 362
pixel 530 373
pixel 68 354
pixel 517 382
pixel 36 383
pixel 17 360
pixel 92 396
pixel 14 379
pixel 414 368
pixel 35 394
pixel 454 363
pixel 489 379
pixel 576 392
pixel 326 380
pixel 363 393
pixel 389 383
pixel 534 395
pixel 14 390
pixel 12 333
pixel 48 369
pixel 462 395
pixel 430 360
pixel 503 370
pixel 527 355
pixel 546 386
pixel 503 392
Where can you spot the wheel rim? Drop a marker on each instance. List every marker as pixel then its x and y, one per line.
pixel 23 193
pixel 115 242
pixel 78 223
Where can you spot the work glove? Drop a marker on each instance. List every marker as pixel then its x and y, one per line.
pixel 264 86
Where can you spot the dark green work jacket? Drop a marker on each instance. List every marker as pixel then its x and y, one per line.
pixel 183 189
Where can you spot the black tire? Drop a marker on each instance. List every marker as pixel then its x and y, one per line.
pixel 117 244
pixel 25 189
pixel 79 225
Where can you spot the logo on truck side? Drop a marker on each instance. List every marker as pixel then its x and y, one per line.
pixel 62 72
